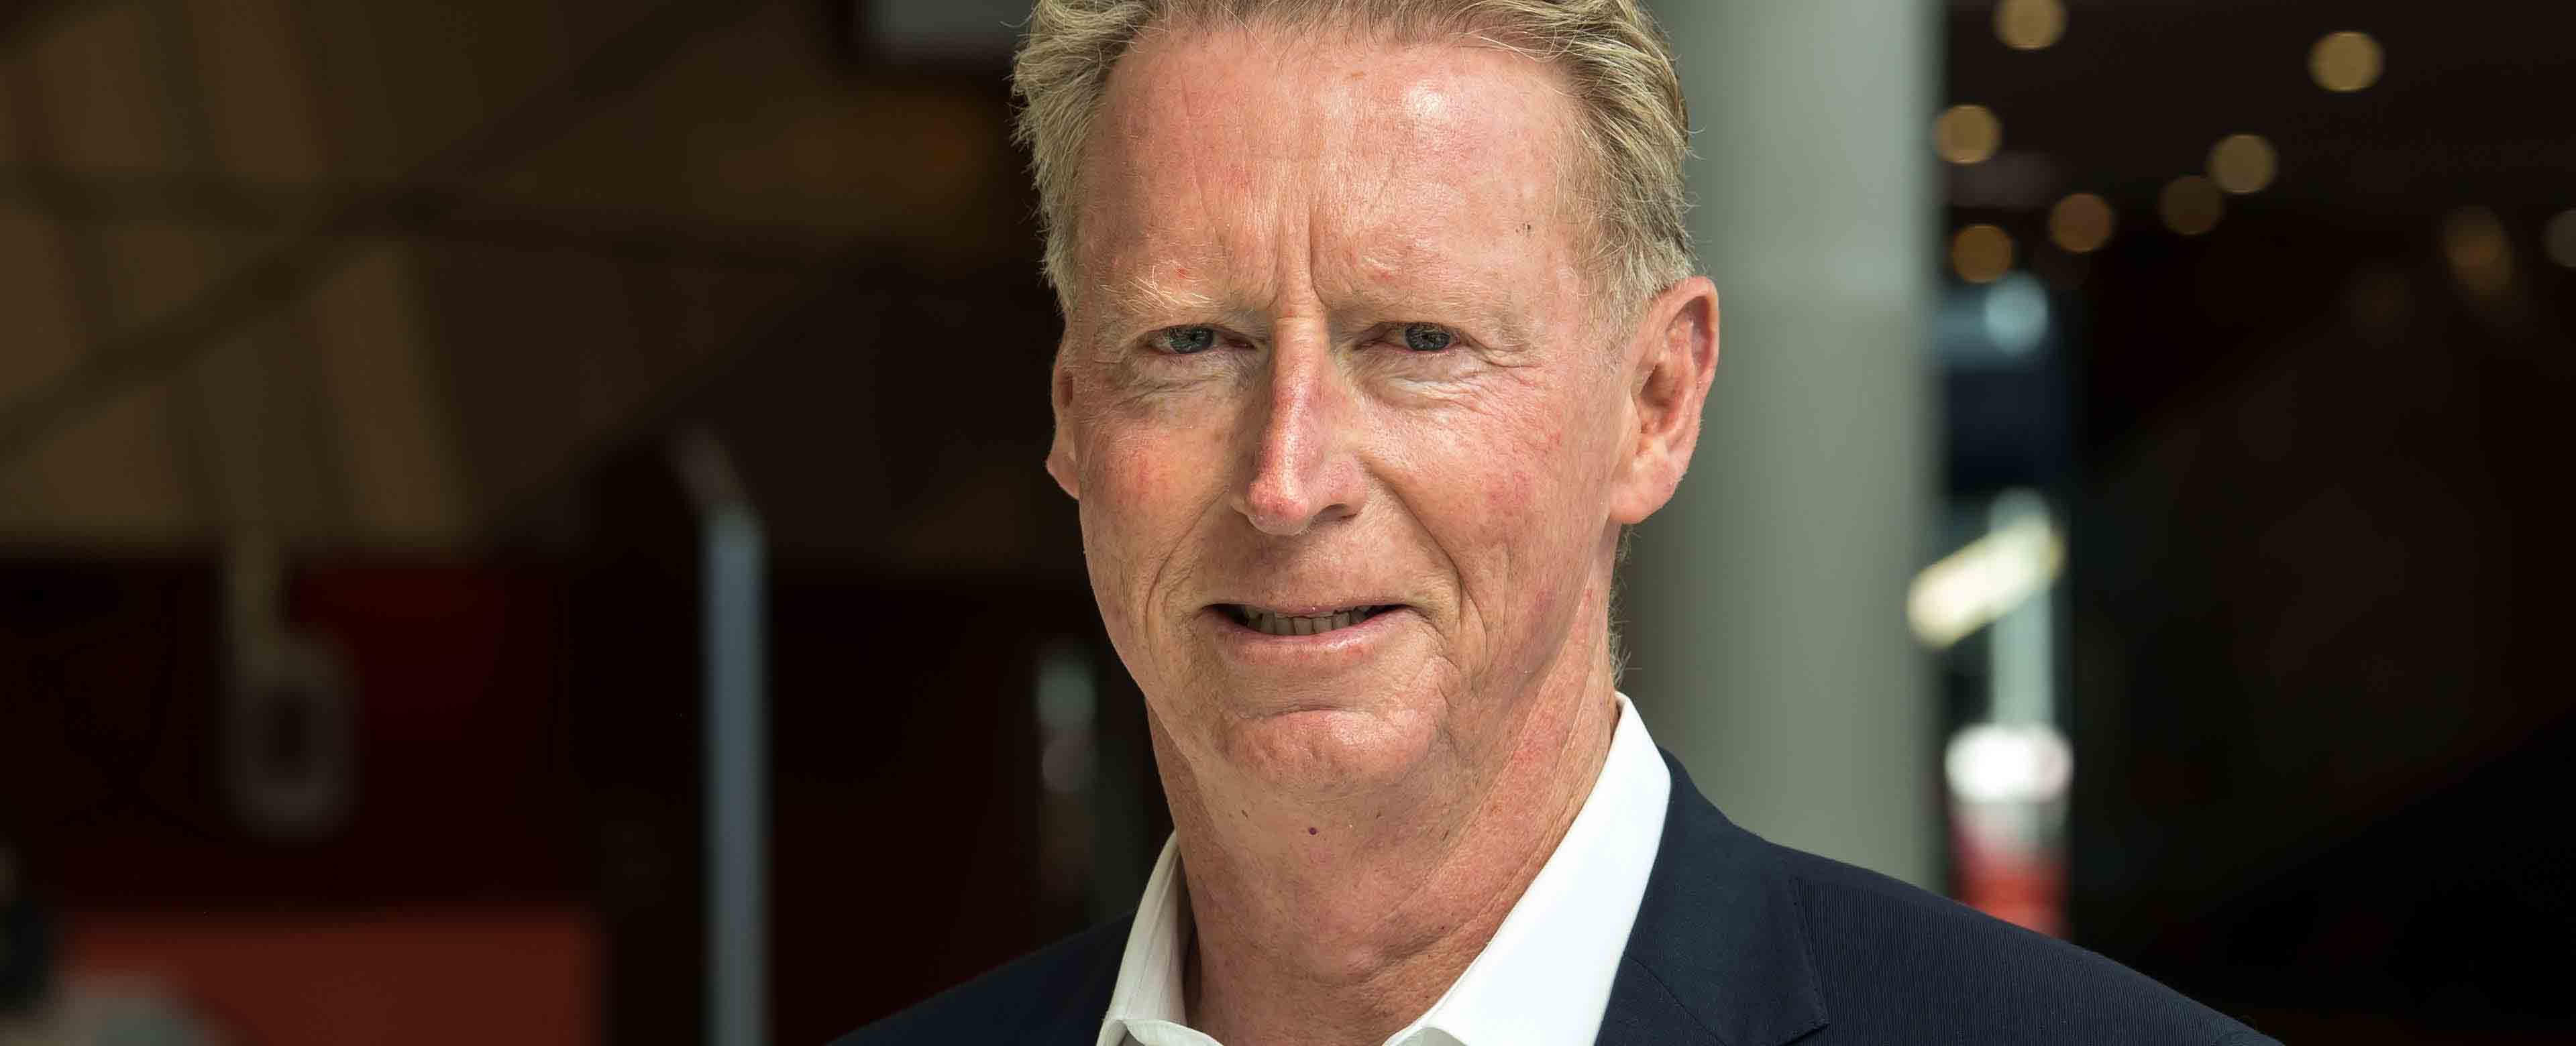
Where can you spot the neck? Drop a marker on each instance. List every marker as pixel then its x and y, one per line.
pixel 1308 937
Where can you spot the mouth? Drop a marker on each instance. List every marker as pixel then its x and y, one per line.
pixel 1278 623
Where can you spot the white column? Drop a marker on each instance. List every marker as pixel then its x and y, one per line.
pixel 734 616
pixel 1766 605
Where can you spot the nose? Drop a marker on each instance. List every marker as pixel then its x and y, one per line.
pixel 1303 471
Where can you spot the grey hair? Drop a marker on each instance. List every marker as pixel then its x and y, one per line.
pixel 1634 126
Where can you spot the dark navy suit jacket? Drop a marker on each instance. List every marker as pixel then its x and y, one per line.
pixel 1738 943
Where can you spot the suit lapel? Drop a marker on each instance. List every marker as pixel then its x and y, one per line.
pixel 1719 953
pixel 1643 1011
pixel 1083 1004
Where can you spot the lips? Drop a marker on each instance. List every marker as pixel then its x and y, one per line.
pixel 1271 622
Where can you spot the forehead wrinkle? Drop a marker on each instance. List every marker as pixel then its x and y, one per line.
pixel 1129 176
pixel 1139 295
pixel 1258 238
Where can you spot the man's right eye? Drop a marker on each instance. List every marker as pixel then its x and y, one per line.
pixel 1182 341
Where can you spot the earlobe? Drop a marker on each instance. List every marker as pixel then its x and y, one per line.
pixel 1059 464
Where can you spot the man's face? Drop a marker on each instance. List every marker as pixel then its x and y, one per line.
pixel 1343 435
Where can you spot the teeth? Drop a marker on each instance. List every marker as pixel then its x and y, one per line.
pixel 1285 625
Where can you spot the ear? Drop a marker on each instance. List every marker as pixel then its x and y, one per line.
pixel 1672 359
pixel 1060 461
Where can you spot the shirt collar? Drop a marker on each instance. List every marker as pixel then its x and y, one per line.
pixel 1149 972
pixel 1544 977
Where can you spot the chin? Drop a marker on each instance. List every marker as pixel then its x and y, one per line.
pixel 1324 750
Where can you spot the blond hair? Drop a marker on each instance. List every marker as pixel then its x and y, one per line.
pixel 1633 125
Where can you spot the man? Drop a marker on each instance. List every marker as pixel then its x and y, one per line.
pixel 1380 328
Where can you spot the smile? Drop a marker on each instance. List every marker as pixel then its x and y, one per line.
pixel 1270 622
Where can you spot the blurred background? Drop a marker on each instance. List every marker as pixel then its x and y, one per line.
pixel 522 522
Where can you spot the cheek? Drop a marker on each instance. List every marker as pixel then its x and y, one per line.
pixel 1148 451
pixel 1531 470
pixel 1511 496
pixel 1507 486
pixel 1516 495
pixel 1143 488
pixel 1152 476
pixel 1131 474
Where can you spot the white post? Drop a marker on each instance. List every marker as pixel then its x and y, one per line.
pixel 1766 606
pixel 734 616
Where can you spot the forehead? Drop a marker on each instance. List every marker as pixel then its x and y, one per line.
pixel 1228 162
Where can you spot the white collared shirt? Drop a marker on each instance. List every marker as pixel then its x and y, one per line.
pixel 1544 979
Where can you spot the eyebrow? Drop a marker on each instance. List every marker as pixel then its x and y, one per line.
pixel 1135 297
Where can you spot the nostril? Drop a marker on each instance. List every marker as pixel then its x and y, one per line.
pixel 1285 514
pixel 1275 495
pixel 1276 515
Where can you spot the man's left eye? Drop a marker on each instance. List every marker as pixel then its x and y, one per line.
pixel 1184 341
pixel 1427 337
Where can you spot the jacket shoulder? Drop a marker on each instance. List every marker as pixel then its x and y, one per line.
pixel 1892 957
pixel 1057 993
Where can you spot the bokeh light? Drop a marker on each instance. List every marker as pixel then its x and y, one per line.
pixel 2345 61
pixel 2028 25
pixel 2242 163
pixel 1981 253
pixel 2190 205
pixel 2479 253
pixel 2081 223
pixel 2559 238
pixel 1967 134
pixel 2016 313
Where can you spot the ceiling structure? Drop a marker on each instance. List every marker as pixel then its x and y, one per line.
pixel 384 273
